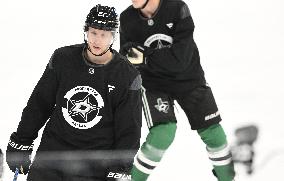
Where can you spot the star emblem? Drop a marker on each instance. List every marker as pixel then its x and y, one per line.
pixel 160 45
pixel 82 108
pixel 162 106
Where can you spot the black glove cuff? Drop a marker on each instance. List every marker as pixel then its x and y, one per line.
pixel 118 173
pixel 20 144
pixel 124 50
pixel 145 50
pixel 18 153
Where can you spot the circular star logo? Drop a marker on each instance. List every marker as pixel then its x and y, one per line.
pixel 159 41
pixel 83 107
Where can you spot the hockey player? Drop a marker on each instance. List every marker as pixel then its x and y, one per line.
pixel 157 36
pixel 92 98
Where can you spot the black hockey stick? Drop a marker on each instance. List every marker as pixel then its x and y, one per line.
pixel 1 164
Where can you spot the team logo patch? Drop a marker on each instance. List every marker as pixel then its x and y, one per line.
pixel 159 41
pixel 83 107
pixel 170 25
pixel 162 106
pixel 110 87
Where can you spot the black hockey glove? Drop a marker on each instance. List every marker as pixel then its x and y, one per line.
pixel 117 174
pixel 18 153
pixel 124 49
pixel 136 53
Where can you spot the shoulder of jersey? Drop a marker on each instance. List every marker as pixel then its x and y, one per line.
pixel 180 7
pixel 124 60
pixel 127 64
pixel 177 3
pixel 127 12
pixel 70 49
pixel 64 54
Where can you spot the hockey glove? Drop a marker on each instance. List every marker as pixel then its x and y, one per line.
pixel 18 153
pixel 124 50
pixel 117 174
pixel 136 54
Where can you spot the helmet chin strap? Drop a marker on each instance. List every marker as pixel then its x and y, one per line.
pixel 104 52
pixel 144 5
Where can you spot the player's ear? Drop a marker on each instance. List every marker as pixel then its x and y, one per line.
pixel 85 36
pixel 114 35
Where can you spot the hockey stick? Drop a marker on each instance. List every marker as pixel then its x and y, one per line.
pixel 1 164
pixel 16 174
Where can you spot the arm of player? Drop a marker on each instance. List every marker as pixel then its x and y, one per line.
pixel 40 104
pixel 39 107
pixel 128 118
pixel 122 40
pixel 177 57
pixel 128 121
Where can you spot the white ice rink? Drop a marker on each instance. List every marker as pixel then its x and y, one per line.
pixel 241 45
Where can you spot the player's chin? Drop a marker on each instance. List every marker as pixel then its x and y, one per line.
pixel 97 50
pixel 135 4
pixel 137 7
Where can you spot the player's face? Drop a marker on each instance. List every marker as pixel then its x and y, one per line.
pixel 99 40
pixel 138 3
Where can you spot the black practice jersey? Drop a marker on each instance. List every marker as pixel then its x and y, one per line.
pixel 175 64
pixel 89 106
